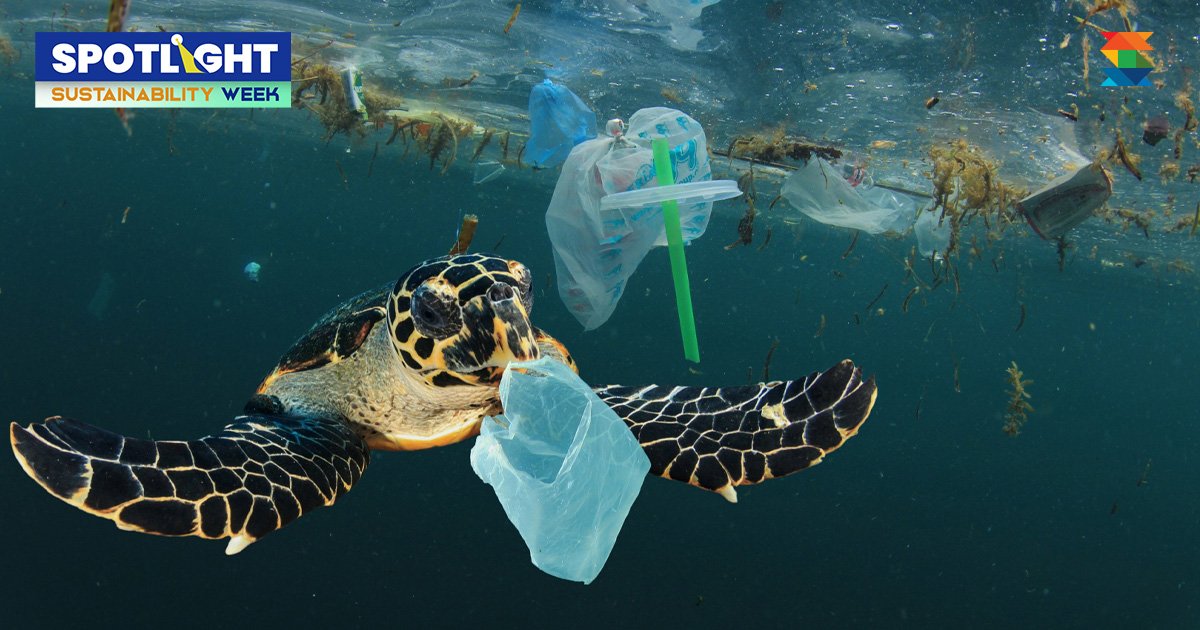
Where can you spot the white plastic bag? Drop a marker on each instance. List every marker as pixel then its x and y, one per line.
pixel 595 251
pixel 818 190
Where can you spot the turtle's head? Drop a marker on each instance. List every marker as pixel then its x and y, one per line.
pixel 460 320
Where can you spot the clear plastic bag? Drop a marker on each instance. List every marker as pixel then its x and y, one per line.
pixel 595 250
pixel 564 466
pixel 933 233
pixel 558 121
pixel 818 190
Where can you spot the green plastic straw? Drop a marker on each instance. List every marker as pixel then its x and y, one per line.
pixel 683 288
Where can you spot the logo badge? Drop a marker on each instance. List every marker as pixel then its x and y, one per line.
pixel 163 69
pixel 1125 50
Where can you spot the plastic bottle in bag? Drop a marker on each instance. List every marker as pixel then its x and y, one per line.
pixel 596 250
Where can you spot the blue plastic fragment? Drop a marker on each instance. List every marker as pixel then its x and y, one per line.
pixel 564 466
pixel 558 122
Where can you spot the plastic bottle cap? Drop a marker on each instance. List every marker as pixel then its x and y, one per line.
pixel 691 192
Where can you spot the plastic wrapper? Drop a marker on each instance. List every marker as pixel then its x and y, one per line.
pixel 1067 201
pixel 819 191
pixel 558 121
pixel 564 466
pixel 596 251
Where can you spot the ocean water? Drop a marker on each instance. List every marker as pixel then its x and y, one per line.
pixel 123 304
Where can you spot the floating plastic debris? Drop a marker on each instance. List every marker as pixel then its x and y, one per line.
pixel 564 466
pixel 933 233
pixel 819 191
pixel 558 121
pixel 251 270
pixel 352 82
pixel 1067 201
pixel 487 170
pixel 598 245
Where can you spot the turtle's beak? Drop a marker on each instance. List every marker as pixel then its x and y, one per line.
pixel 513 333
pixel 496 332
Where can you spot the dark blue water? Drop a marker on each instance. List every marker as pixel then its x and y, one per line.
pixel 931 517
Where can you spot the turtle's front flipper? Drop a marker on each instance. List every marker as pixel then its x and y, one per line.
pixel 257 475
pixel 720 437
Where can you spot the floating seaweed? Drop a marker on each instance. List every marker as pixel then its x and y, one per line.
pixel 745 227
pixel 441 136
pixel 966 186
pixel 767 362
pixel 318 88
pixel 1183 100
pixel 371 166
pixel 9 53
pixel 766 239
pixel 1120 152
pixel 512 18
pixel 1019 408
pixel 483 142
pixel 451 82
pixel 776 147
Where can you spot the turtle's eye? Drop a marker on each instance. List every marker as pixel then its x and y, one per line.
pixel 435 314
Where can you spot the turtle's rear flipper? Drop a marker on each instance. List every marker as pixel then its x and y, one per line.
pixel 257 475
pixel 720 437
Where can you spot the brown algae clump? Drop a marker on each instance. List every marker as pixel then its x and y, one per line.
pixel 1018 401
pixel 8 52
pixel 966 185
pixel 774 147
pixel 319 88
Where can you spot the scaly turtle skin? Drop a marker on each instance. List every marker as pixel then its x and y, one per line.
pixel 414 366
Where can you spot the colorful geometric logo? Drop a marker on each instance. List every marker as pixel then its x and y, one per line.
pixel 1124 49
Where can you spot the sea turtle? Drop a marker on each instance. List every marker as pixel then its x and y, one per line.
pixel 413 366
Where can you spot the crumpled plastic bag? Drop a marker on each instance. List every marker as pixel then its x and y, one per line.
pixel 564 466
pixel 596 252
pixel 558 121
pixel 818 190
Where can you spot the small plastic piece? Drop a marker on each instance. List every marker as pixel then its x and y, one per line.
pixel 819 191
pixel 692 192
pixel 597 250
pixel 1067 201
pixel 252 270
pixel 352 84
pixel 564 466
pixel 558 121
pixel 487 170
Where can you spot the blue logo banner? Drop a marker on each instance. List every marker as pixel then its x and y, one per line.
pixel 163 56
